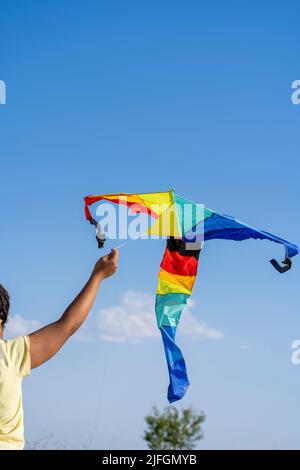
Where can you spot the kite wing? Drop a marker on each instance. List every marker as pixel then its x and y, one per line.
pixel 160 206
pixel 229 228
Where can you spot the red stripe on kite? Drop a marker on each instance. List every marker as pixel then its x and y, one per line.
pixel 174 263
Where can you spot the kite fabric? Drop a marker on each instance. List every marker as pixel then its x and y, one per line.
pixel 185 232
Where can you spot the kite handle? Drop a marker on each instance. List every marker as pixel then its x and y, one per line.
pixel 282 269
pixel 100 237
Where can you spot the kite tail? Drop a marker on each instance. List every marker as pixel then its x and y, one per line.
pixel 175 282
pixel 179 381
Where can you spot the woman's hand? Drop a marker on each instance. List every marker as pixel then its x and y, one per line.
pixel 107 265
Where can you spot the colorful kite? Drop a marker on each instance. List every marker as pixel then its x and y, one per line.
pixel 186 225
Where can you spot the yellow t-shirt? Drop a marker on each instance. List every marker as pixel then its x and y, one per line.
pixel 14 365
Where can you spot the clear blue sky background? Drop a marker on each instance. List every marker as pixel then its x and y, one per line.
pixel 143 96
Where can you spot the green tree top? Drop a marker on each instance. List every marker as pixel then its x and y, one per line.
pixel 173 430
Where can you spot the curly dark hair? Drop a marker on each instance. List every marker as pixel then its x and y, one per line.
pixel 4 305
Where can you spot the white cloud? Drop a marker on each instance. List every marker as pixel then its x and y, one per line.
pixel 134 320
pixel 18 326
pixel 193 328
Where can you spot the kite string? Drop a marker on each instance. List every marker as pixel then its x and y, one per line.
pixel 120 246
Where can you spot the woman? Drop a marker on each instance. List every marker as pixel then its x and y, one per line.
pixel 19 355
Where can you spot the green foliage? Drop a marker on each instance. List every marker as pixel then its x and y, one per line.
pixel 172 430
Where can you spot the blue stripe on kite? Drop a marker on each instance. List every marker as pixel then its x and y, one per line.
pixel 224 227
pixel 179 381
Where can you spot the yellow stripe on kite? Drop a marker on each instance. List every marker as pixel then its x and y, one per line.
pixel 174 284
pixel 157 202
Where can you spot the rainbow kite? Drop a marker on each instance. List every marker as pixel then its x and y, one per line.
pixel 186 225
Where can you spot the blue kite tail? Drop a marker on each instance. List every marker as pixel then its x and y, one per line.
pixel 179 381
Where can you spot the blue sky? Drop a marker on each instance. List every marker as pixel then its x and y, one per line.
pixel 145 96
